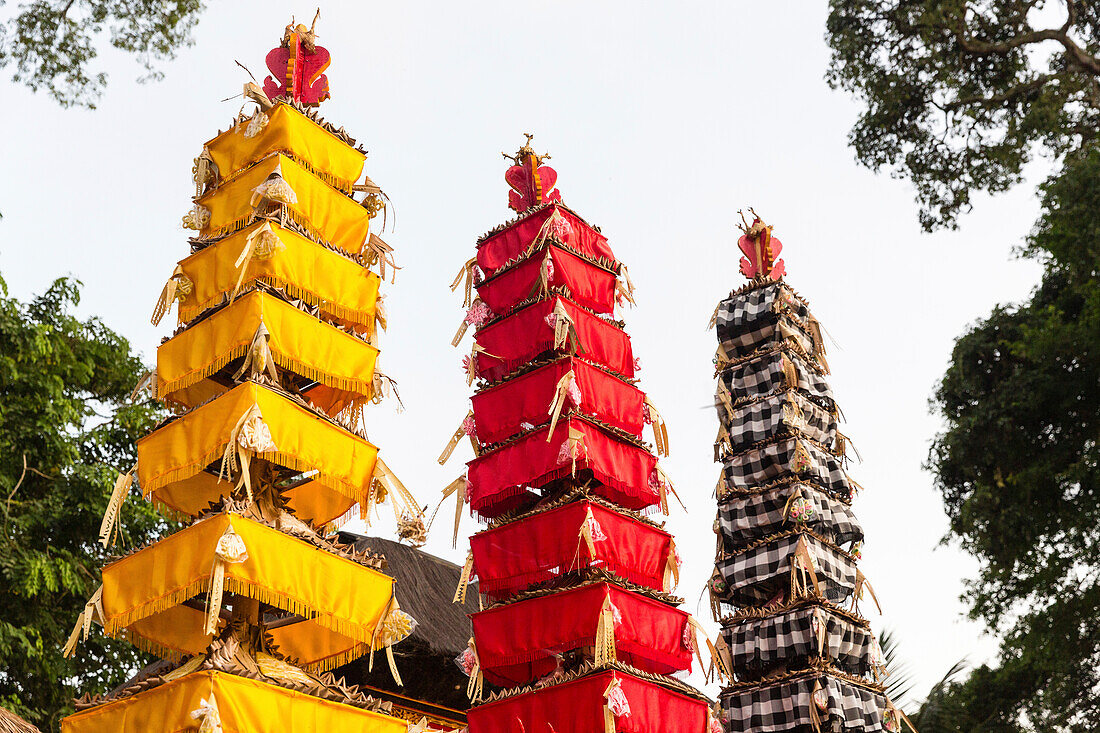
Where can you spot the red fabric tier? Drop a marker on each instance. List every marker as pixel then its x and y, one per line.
pixel 541 546
pixel 515 340
pixel 577 707
pixel 589 284
pixel 497 250
pixel 517 642
pixel 499 410
pixel 498 479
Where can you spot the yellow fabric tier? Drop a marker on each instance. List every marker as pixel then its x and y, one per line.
pixel 178 632
pixel 341 288
pixel 172 459
pixel 288 131
pixel 245 706
pixel 321 209
pixel 340 363
pixel 343 601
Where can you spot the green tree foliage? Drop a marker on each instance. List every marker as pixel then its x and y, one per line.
pixel 1019 469
pixel 958 95
pixel 52 44
pixel 66 430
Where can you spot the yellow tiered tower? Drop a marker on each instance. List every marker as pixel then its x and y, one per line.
pixel 250 605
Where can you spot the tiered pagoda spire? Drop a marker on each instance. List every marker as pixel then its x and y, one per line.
pixel 274 360
pixel 801 656
pixel 579 631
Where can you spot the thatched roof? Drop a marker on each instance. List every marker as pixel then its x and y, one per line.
pixel 12 723
pixel 425 590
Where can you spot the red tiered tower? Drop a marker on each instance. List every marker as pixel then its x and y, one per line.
pixel 579 627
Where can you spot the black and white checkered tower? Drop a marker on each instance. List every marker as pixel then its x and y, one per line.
pixel 786 585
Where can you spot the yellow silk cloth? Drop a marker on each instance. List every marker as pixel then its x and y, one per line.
pixel 342 600
pixel 341 364
pixel 178 632
pixel 246 706
pixel 343 289
pixel 321 209
pixel 171 459
pixel 291 132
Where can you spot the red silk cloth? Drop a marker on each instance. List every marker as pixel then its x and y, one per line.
pixel 498 478
pixel 497 250
pixel 516 340
pixel 511 557
pixel 589 285
pixel 517 642
pixel 499 410
pixel 577 707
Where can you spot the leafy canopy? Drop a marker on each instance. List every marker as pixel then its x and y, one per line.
pixel 958 95
pixel 52 45
pixel 66 431
pixel 1019 469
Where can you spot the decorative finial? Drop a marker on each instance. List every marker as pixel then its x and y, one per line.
pixel 532 183
pixel 297 66
pixel 761 249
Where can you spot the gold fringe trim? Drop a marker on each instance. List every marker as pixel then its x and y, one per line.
pixel 360 387
pixel 357 316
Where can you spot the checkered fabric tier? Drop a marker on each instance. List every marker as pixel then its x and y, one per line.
pixel 768 314
pixel 768 372
pixel 782 413
pixel 763 572
pixel 790 457
pixel 789 638
pixel 795 704
pixel 746 518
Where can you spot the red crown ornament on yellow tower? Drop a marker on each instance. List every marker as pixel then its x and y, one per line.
pixel 532 182
pixel 761 250
pixel 298 66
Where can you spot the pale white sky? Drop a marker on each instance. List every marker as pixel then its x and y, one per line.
pixel 663 119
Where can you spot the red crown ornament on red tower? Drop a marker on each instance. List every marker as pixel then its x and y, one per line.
pixel 532 182
pixel 761 250
pixel 298 66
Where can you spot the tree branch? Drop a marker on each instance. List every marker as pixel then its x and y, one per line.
pixel 1076 55
pixel 1036 83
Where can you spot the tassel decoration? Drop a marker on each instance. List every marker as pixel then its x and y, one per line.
pixel 672 568
pixel 803 576
pixel 466 272
pixel 197 218
pixel 178 287
pixel 606 652
pixel 561 393
pixel 660 429
pixel 565 330
pixel 275 189
pixel 93 609
pixel 258 359
pixel 464 578
pixel 464 429
pixel 375 251
pixel 109 526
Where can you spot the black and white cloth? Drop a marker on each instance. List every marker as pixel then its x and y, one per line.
pixel 768 372
pixel 785 706
pixel 789 457
pixel 768 314
pixel 781 413
pixel 756 575
pixel 758 645
pixel 745 518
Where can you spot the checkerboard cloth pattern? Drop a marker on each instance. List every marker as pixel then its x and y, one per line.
pixel 745 518
pixel 759 644
pixel 754 576
pixel 776 414
pixel 763 374
pixel 767 314
pixel 786 707
pixel 786 457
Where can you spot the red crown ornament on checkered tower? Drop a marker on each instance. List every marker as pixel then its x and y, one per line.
pixel 761 250
pixel 532 182
pixel 298 66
